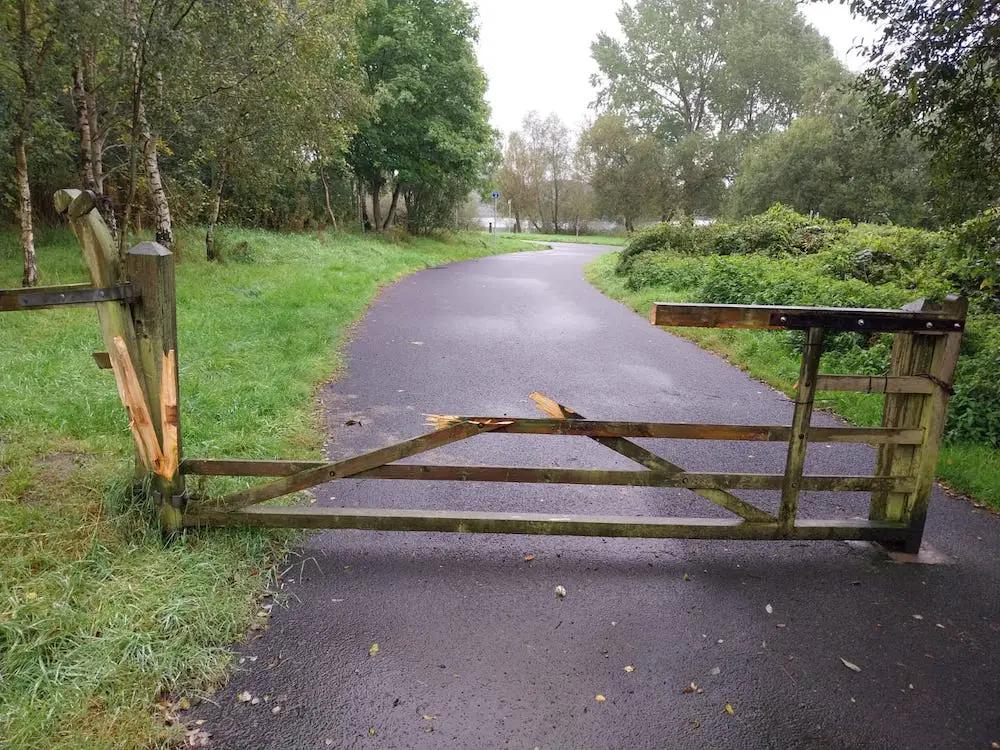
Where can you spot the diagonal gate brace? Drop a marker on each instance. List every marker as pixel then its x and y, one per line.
pixel 355 465
pixel 651 461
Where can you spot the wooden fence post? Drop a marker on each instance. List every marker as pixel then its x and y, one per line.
pixel 151 271
pixel 932 355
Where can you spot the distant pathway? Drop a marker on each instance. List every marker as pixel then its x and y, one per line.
pixel 475 649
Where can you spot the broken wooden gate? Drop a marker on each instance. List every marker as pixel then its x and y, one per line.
pixel 137 315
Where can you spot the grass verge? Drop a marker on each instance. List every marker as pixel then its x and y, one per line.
pixel 584 239
pixel 104 634
pixel 967 469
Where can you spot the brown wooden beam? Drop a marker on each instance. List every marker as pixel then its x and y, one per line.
pixel 356 464
pixel 864 320
pixel 239 467
pixel 875 384
pixel 470 522
pixel 686 430
pixel 688 479
pixel 653 462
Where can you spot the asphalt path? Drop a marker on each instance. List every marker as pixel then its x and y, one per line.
pixel 476 650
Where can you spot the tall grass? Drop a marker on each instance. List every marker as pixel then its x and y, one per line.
pixel 104 633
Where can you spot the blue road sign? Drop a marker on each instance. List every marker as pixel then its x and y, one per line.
pixel 496 194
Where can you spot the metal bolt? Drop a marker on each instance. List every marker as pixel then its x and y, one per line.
pixel 929 324
pixel 958 326
pixel 861 321
pixel 784 319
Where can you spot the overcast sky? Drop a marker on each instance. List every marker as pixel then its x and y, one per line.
pixel 536 53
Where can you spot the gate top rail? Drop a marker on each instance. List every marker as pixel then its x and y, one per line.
pixel 872 320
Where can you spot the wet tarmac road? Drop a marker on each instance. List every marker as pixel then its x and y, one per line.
pixel 475 648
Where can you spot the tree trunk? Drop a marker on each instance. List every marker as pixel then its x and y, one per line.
pixel 326 197
pixel 30 277
pixel 376 207
pixel 390 217
pixel 157 194
pixel 213 215
pixel 363 207
pixel 83 128
pixel 555 205
pixel 517 222
pixel 97 137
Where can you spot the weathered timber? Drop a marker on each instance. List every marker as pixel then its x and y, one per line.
pixel 140 421
pixel 103 264
pixel 689 479
pixel 41 298
pixel 865 320
pixel 470 522
pixel 685 430
pixel 103 360
pixel 652 461
pixel 242 467
pixel 875 384
pixel 935 358
pixel 355 465
pixel 798 441
pixel 151 269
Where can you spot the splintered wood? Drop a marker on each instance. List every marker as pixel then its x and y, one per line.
pixel 134 400
pixel 162 460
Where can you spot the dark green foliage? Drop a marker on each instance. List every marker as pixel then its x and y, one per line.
pixel 783 258
pixel 776 233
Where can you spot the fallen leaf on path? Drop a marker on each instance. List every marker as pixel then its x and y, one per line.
pixel 529 558
pixel 599 698
pixel 918 617
pixel 371 731
pixel 276 710
pixel 715 671
pixel 769 609
pixel 244 697
pixel 197 738
pixel 429 717
pixel 687 577
pixel 729 710
pixel 560 591
pixel 692 688
pixel 696 723
pixel 779 625
pixel 373 651
pixel 629 669
pixel 850 665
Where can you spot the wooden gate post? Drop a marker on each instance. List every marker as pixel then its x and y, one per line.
pixel 932 355
pixel 151 271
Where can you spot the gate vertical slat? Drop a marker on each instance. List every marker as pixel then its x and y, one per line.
pixel 798 442
pixel 933 356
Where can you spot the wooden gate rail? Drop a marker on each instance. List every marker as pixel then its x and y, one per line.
pixel 135 301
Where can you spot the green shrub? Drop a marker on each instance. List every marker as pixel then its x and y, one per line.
pixel 673 272
pixel 975 258
pixel 681 238
pixel 974 410
pixel 779 232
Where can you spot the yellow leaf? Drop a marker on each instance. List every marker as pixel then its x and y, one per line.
pixel 729 710
pixel 629 669
pixel 529 558
pixel 373 651
pixel 599 698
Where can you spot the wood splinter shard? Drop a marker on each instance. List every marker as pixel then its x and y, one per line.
pixel 162 460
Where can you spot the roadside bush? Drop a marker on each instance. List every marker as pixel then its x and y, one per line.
pixel 682 238
pixel 974 410
pixel 975 258
pixel 878 254
pixel 777 233
pixel 673 272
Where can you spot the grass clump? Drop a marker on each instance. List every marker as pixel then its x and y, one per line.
pixel 104 633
